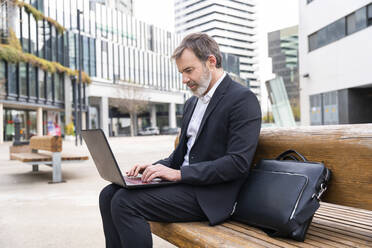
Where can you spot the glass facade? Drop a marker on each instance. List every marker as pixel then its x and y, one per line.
pixel 115 47
pixel 31 84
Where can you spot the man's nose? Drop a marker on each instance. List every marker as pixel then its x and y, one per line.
pixel 185 79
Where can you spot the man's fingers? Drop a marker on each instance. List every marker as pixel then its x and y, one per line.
pixel 130 172
pixel 144 173
pixel 154 175
pixel 138 169
pixel 133 170
pixel 148 172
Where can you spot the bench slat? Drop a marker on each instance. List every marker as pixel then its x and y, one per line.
pixel 343 226
pixel 324 231
pixel 257 233
pixel 345 240
pixel 342 213
pixel 352 220
pixel 310 238
pixel 44 157
pixel 341 208
pixel 31 157
pixel 346 233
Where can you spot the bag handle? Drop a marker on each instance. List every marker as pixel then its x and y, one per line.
pixel 287 154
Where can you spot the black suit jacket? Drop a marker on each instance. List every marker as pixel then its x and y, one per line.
pixel 223 150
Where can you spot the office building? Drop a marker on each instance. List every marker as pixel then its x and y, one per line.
pixel 283 50
pixel 124 6
pixel 335 52
pixel 126 60
pixel 231 23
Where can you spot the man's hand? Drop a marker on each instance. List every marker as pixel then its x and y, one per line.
pixel 137 169
pixel 160 171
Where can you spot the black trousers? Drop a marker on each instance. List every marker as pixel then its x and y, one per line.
pixel 125 212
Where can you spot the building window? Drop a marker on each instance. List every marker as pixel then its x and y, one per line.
pixel 312 41
pixel 116 62
pixel 92 55
pixel 110 62
pixel 33 35
pixel 85 54
pixel 369 15
pixel 60 49
pixel 58 87
pixel 25 32
pixel 356 21
pixel 12 79
pixel 72 50
pixel 66 50
pixel 104 50
pixel 126 63
pixel 41 84
pixel 361 18
pixel 121 62
pixel 49 84
pixel 48 41
pixel 150 38
pixel 2 79
pixel 335 30
pixel 32 80
pixel 40 45
pixel 352 23
pixel 54 46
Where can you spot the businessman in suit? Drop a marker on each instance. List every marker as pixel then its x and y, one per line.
pixel 219 135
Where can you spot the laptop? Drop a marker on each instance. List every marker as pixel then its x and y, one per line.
pixel 107 166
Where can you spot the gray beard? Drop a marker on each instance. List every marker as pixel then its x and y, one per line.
pixel 205 80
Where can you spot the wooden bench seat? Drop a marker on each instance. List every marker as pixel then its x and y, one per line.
pixel 45 157
pixel 333 226
pixel 343 220
pixel 52 157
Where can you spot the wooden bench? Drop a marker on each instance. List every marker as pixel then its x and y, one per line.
pixel 53 156
pixel 344 218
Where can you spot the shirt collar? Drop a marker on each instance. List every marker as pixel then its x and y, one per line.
pixel 205 99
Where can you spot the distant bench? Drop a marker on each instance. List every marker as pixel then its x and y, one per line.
pixel 53 156
pixel 344 221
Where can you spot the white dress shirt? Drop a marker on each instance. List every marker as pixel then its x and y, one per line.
pixel 197 117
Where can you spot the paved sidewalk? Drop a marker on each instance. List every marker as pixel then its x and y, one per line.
pixel 34 213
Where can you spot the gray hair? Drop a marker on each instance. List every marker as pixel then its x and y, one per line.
pixel 202 45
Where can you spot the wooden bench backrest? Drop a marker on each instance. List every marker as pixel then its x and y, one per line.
pixel 47 143
pixel 345 149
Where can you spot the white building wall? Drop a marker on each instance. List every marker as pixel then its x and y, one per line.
pixel 341 64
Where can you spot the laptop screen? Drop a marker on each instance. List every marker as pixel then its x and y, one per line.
pixel 103 156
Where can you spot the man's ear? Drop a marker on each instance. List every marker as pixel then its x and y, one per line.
pixel 212 61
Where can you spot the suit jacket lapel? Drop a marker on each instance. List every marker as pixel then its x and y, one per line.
pixel 216 98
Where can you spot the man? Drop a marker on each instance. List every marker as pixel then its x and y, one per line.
pixel 219 134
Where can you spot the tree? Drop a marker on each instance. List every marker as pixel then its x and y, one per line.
pixel 133 102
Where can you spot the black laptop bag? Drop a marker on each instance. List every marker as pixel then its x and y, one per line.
pixel 281 196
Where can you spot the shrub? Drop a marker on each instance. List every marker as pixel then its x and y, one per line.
pixel 70 129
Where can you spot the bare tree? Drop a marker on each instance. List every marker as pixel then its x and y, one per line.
pixel 133 102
